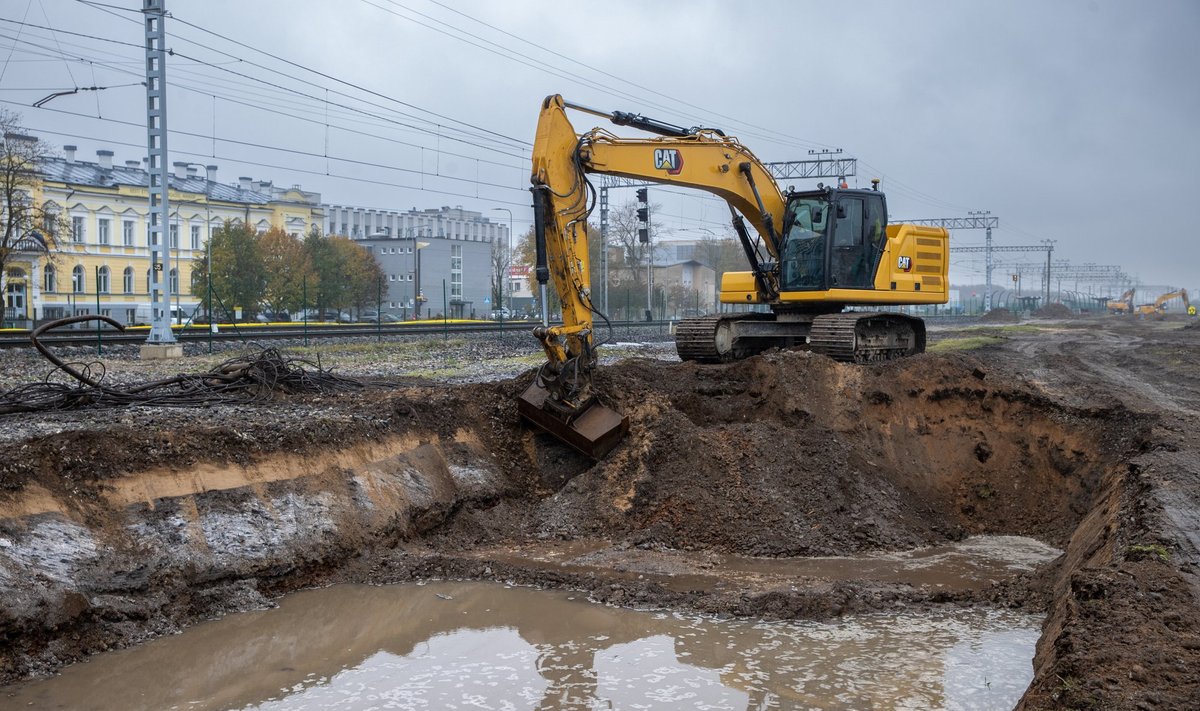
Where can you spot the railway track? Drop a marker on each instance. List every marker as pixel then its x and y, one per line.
pixel 136 335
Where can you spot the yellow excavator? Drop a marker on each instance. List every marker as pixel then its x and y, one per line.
pixel 1123 305
pixel 1159 307
pixel 811 254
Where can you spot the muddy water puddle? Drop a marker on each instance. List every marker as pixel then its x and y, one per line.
pixel 480 645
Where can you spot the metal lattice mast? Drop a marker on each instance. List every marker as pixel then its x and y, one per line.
pixel 988 263
pixel 156 148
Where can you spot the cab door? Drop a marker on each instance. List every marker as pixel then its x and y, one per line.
pixel 857 242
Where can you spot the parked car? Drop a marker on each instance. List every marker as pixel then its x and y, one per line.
pixel 373 316
pixel 501 314
pixel 273 317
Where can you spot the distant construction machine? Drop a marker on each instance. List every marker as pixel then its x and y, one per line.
pixel 1159 308
pixel 813 254
pixel 1122 306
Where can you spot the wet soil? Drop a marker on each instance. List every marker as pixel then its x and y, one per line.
pixel 119 526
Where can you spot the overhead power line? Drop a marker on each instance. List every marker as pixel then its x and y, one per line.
pixel 344 82
pixel 282 149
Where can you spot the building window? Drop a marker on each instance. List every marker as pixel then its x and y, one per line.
pixel 174 284
pixel 149 285
pixel 78 280
pixel 130 316
pixel 15 292
pixel 456 265
pixel 49 279
pixel 195 236
pixel 103 231
pixel 127 232
pixel 175 236
pixel 102 281
pixel 77 229
pixel 127 280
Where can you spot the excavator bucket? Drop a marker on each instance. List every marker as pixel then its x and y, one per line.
pixel 594 431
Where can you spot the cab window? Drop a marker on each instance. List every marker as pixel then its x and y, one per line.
pixel 802 259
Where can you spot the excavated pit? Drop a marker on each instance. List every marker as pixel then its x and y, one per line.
pixel 117 531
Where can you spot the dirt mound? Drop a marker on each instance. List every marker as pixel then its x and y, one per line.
pixel 794 454
pixel 1000 315
pixel 1053 311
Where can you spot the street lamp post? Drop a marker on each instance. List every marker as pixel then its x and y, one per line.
pixel 506 285
pixel 417 247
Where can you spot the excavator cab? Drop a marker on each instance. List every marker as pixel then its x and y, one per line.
pixel 832 238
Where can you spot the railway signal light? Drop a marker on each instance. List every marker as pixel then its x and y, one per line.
pixel 642 194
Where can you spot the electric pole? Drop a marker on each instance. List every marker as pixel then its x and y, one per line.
pixel 1049 251
pixel 157 184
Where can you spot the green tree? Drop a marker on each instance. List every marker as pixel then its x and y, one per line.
pixel 343 274
pixel 362 274
pixel 239 276
pixel 287 268
pixel 323 288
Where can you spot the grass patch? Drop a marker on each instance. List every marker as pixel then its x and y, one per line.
pixel 968 343
pixel 431 345
pixel 1143 552
pixel 1011 328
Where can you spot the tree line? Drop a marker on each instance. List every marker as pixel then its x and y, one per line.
pixel 279 274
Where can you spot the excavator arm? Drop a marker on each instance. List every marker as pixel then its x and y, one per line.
pixel 561 400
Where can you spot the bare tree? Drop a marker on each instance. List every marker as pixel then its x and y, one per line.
pixel 28 228
pixel 721 254
pixel 500 261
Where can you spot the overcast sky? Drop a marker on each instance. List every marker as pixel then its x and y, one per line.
pixel 1070 120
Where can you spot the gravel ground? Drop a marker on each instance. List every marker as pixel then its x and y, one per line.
pixel 461 358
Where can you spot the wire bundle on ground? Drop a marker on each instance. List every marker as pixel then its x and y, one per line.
pixel 243 379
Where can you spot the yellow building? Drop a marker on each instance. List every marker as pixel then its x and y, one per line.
pixel 101 264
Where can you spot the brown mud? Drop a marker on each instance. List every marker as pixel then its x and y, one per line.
pixel 124 525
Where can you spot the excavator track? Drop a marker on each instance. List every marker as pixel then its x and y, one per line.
pixel 867 337
pixel 711 339
pixel 696 339
pixel 850 337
